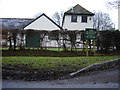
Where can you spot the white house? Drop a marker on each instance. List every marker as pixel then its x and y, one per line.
pixel 43 22
pixel 77 18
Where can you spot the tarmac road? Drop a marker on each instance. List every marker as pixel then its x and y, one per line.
pixel 98 79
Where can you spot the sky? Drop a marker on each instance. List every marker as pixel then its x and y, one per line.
pixel 31 8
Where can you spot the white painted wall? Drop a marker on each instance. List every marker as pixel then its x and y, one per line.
pixel 77 25
pixel 42 23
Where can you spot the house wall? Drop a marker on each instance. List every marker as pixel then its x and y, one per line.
pixel 42 23
pixel 77 25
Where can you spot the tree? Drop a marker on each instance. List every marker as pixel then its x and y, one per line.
pixel 108 40
pixel 64 38
pixel 83 38
pixel 21 39
pixel 104 40
pixel 55 35
pixel 72 38
pixel 102 21
pixel 43 34
pixel 4 39
pixel 58 17
pixel 38 14
pixel 116 35
pixel 11 37
pixel 14 35
pixel 113 4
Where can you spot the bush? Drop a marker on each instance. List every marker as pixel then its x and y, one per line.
pixel 107 40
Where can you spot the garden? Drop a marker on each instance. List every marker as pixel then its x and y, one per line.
pixel 42 63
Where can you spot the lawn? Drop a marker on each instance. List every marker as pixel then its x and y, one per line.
pixel 52 49
pixel 61 49
pixel 53 63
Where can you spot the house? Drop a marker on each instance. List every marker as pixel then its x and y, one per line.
pixel 77 18
pixel 43 22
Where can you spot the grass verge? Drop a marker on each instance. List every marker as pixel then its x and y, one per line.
pixel 46 68
pixel 53 63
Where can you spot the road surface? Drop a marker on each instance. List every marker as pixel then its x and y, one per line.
pixel 97 79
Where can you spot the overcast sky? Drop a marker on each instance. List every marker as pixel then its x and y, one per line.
pixel 29 8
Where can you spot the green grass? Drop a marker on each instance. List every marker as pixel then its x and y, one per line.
pixel 61 49
pixel 5 48
pixel 53 49
pixel 55 63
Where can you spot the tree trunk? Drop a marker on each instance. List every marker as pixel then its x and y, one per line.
pixel 10 46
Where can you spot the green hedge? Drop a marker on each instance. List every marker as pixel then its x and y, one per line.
pixel 108 40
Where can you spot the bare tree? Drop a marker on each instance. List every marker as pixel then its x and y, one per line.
pixel 72 38
pixel 64 38
pixel 102 21
pixel 42 33
pixel 38 14
pixel 58 17
pixel 55 35
pixel 21 39
pixel 113 4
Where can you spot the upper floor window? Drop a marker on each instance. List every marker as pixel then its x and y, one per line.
pixel 84 19
pixel 73 18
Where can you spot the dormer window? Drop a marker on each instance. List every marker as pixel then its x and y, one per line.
pixel 73 18
pixel 84 19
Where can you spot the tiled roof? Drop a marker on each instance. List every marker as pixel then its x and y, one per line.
pixel 78 10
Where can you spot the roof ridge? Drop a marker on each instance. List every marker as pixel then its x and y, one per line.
pixel 43 14
pixel 79 10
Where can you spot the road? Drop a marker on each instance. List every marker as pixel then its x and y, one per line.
pixel 97 79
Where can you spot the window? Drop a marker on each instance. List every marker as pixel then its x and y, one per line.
pixel 73 18
pixel 84 19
